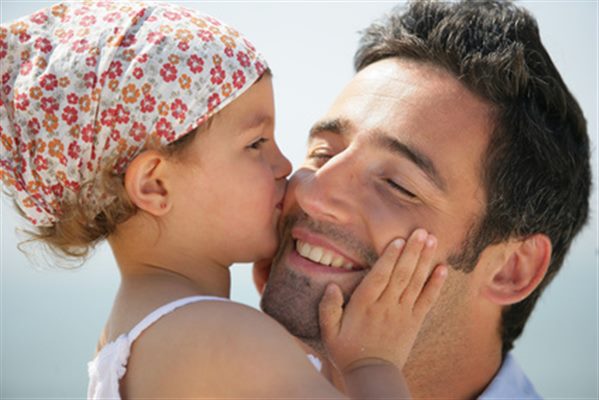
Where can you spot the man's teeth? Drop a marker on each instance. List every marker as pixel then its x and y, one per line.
pixel 322 256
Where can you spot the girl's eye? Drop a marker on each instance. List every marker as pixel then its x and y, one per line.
pixel 400 189
pixel 257 144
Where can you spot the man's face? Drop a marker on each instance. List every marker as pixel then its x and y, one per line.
pixel 400 148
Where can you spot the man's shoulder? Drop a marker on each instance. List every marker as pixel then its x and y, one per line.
pixel 510 382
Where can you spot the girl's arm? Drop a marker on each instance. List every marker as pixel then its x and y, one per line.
pixel 228 350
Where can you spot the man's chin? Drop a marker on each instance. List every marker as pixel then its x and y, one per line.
pixel 292 299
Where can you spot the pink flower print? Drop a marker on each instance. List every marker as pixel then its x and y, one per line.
pixel 88 20
pixel 213 101
pixel 90 79
pixel 91 61
pixel 183 46
pixel 217 75
pixel 213 21
pixel 260 68
pixel 57 189
pixel 195 64
pixel 138 131
pixel 115 135
pixel 129 40
pixel 155 37
pixel 87 133
pixel 79 46
pixel 24 37
pixel 21 101
pixel 26 68
pixel 178 110
pixel 172 16
pixel 41 163
pixel 138 73
pixel 39 18
pixel 229 52
pixel 164 129
pixel 3 49
pixel 112 17
pixel 69 115
pixel 249 45
pixel 243 59
pixel 49 104
pixel 115 70
pixel 168 72
pixel 34 126
pixel 238 79
pixel 148 103
pixel 49 82
pixel 5 78
pixel 43 44
pixel 72 98
pixel 120 114
pixel 66 37
pixel 143 58
pixel 74 150
pixel 206 35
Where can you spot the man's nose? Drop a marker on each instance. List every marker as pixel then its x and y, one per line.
pixel 330 193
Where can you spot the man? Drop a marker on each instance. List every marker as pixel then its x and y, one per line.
pixel 458 122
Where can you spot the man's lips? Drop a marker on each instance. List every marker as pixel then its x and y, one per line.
pixel 317 250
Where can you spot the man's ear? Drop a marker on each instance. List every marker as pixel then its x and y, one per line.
pixel 145 183
pixel 523 268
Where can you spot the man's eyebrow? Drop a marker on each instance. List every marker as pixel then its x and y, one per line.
pixel 343 126
pixel 421 160
pixel 335 125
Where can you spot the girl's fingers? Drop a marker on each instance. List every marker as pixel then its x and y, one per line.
pixel 421 272
pixel 431 291
pixel 330 311
pixel 377 279
pixel 405 266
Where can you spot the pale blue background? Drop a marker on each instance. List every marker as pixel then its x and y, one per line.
pixel 50 319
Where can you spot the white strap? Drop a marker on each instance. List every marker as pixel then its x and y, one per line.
pixel 165 309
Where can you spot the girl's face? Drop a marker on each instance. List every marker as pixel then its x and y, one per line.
pixel 231 181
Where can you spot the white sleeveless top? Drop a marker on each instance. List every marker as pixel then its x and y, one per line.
pixel 110 364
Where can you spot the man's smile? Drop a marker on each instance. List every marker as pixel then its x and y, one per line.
pixel 315 251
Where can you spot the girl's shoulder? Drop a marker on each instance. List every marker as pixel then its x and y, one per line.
pixel 215 348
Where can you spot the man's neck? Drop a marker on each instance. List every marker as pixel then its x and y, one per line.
pixel 462 374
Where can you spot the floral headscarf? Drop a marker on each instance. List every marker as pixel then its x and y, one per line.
pixel 86 85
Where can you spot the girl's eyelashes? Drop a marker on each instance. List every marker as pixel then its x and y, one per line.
pixel 400 189
pixel 257 144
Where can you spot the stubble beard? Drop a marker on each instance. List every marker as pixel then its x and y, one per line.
pixel 293 299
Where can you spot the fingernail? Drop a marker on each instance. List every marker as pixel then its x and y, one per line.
pixel 421 235
pixel 398 243
pixel 431 241
pixel 443 272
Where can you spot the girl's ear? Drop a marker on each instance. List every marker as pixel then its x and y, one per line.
pixel 145 183
pixel 524 267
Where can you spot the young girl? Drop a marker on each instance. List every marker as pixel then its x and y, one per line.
pixel 151 126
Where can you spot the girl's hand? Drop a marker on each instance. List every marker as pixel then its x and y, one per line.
pixel 384 314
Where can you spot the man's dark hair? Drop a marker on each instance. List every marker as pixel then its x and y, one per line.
pixel 536 168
